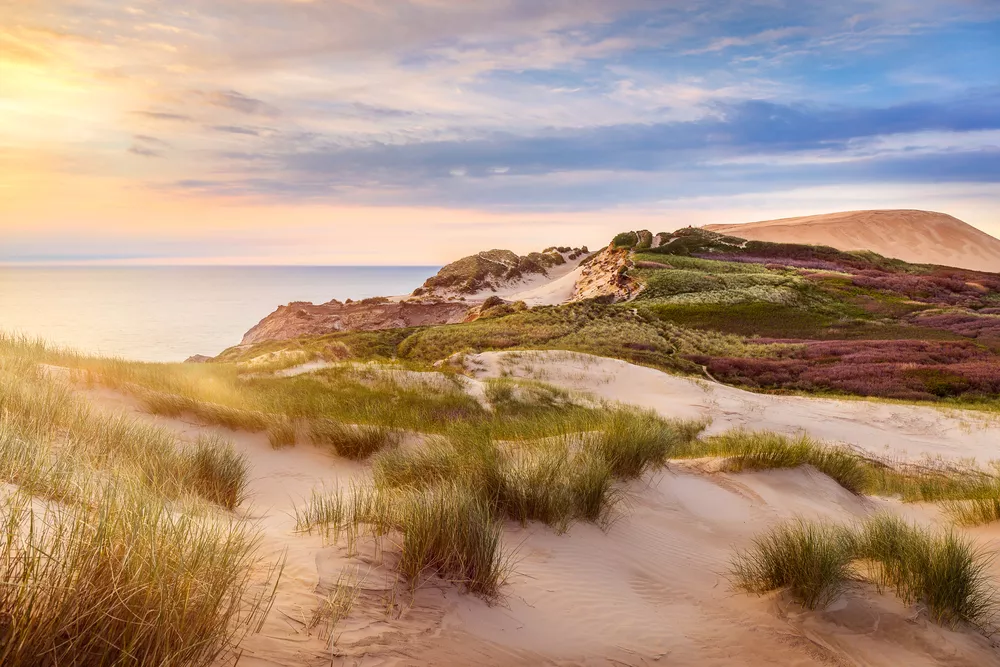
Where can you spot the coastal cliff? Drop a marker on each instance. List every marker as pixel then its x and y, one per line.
pixel 307 319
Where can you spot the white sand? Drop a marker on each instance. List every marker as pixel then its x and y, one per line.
pixel 885 429
pixel 650 591
pixel 537 289
pixel 555 291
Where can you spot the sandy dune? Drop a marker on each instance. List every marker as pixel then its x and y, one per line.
pixel 554 287
pixel 914 236
pixel 649 591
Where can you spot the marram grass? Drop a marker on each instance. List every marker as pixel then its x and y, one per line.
pixel 126 582
pixel 943 571
pixel 100 564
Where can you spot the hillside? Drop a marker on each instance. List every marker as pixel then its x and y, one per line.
pixel 915 236
pixel 775 317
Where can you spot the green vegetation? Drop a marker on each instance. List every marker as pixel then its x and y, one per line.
pixel 813 561
pixel 124 582
pixel 942 570
pixel 763 450
pixel 352 442
pixel 218 472
pixel 625 240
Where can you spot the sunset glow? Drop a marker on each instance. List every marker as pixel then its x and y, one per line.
pixel 409 131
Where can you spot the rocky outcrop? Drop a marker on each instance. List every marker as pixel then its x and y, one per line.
pixel 605 276
pixel 307 319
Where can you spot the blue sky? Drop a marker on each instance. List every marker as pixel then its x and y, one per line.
pixel 482 124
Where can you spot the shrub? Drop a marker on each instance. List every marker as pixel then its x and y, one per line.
pixel 625 240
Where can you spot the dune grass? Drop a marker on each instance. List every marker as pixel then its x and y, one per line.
pixel 282 433
pixel 763 450
pixel 127 582
pixel 811 560
pixel 447 499
pixel 353 442
pixel 115 548
pixel 943 571
pixel 442 528
pixel 218 472
pixel 51 442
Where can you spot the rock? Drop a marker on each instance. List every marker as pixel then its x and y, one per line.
pixel 306 319
pixel 198 359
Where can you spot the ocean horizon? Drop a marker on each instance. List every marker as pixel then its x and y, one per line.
pixel 168 313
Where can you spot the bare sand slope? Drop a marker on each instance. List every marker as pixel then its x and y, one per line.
pixel 900 431
pixel 649 591
pixel 914 236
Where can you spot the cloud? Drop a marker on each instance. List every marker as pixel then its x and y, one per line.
pixel 733 129
pixel 239 102
pixel 512 103
pixel 164 115
pixel 143 151
pixel 147 139
pixel 235 129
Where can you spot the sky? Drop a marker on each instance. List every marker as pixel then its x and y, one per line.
pixel 416 131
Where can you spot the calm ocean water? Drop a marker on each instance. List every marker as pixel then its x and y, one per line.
pixel 171 313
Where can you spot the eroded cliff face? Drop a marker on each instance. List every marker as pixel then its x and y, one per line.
pixel 307 319
pixel 605 276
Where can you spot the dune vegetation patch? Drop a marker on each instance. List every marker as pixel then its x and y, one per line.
pixel 116 543
pixel 444 502
pixel 968 493
pixel 943 571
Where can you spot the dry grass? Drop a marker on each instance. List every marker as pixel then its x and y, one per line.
pixel 355 442
pixel 218 472
pixel 104 557
pixel 970 495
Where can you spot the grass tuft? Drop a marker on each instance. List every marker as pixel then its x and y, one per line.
pixel 127 582
pixel 218 472
pixel 811 560
pixel 353 442
pixel 945 572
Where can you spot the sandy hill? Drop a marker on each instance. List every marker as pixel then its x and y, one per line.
pixel 915 236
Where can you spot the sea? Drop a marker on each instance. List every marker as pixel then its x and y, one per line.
pixel 168 313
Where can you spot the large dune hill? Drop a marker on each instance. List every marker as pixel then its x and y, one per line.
pixel 915 236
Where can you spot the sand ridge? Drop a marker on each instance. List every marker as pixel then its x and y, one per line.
pixel 914 236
